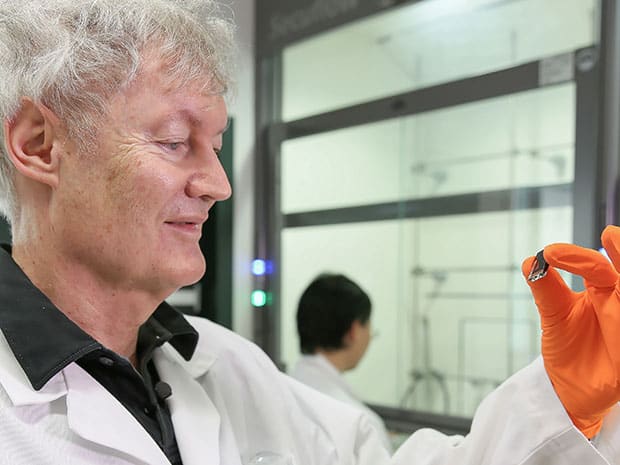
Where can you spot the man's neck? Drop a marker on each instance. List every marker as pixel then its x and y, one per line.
pixel 340 359
pixel 110 314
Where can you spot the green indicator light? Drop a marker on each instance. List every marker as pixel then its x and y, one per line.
pixel 259 298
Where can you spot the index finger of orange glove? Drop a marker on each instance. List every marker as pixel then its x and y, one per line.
pixel 587 263
pixel 553 297
pixel 611 242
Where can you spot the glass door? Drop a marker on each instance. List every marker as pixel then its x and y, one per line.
pixel 424 152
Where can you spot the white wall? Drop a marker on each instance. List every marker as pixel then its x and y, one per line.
pixel 242 110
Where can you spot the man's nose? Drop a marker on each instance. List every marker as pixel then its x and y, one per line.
pixel 210 180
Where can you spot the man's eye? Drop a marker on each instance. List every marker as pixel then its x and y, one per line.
pixel 173 145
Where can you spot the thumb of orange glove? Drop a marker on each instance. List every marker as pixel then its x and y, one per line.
pixel 581 330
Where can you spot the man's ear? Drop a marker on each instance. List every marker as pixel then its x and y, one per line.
pixel 351 334
pixel 30 138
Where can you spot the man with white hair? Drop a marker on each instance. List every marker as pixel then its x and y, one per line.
pixel 113 113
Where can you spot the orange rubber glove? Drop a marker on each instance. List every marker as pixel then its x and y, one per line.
pixel 581 330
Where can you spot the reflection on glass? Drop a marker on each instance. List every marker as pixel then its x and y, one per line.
pixel 427 43
pixel 454 314
pixel 525 139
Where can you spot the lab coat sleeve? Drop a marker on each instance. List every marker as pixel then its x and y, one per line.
pixel 357 441
pixel 608 440
pixel 522 422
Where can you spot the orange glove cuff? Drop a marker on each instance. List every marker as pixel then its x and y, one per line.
pixel 590 426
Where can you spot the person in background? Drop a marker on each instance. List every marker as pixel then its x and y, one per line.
pixel 333 323
pixel 112 117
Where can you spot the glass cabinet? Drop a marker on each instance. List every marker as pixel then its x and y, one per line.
pixel 425 152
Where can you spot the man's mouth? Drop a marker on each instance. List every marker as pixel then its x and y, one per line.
pixel 189 227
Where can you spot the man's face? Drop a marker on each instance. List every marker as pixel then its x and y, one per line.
pixel 132 212
pixel 361 340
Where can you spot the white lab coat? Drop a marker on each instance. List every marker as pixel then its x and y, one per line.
pixel 317 372
pixel 230 405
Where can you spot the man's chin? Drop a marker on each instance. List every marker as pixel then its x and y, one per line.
pixel 180 271
pixel 192 275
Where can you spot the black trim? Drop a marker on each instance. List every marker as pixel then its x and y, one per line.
pixel 495 84
pixel 216 289
pixel 478 202
pixel 408 421
pixel 266 321
pixel 282 22
pixel 589 203
pixel 609 98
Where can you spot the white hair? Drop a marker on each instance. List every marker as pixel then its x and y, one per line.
pixel 74 55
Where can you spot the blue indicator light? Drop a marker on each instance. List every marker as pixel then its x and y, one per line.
pixel 259 267
pixel 262 267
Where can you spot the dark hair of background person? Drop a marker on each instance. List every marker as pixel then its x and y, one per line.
pixel 327 309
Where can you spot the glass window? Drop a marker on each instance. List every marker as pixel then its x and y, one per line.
pixel 427 43
pixel 525 139
pixel 451 312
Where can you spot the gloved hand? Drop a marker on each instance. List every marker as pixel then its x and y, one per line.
pixel 581 330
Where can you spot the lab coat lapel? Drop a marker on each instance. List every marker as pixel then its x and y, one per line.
pixel 97 416
pixel 195 417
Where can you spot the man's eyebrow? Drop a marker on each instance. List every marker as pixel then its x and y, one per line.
pixel 176 117
pixel 186 115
